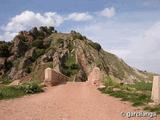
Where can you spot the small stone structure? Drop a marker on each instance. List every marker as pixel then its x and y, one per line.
pixel 156 90
pixel 53 78
pixel 95 77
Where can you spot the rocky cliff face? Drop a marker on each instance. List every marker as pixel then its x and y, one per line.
pixel 72 54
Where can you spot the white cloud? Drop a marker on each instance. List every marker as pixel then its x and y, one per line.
pixel 145 49
pixel 136 43
pixel 7 36
pixel 27 20
pixel 79 16
pixel 108 12
pixel 150 41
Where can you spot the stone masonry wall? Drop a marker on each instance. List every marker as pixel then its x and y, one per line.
pixel 95 77
pixel 53 78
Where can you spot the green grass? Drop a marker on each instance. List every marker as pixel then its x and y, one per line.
pixel 95 45
pixel 137 99
pixel 76 35
pixel 139 94
pixel 8 92
pixel 142 86
pixel 31 87
pixel 38 52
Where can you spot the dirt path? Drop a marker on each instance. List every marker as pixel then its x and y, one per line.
pixel 71 101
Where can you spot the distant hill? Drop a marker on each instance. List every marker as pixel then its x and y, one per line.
pixel 72 54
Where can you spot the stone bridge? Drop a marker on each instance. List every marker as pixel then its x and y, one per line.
pixel 53 78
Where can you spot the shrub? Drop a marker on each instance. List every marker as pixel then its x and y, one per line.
pixel 67 72
pixel 74 66
pixel 70 60
pixel 8 92
pixel 109 82
pixel 95 45
pixel 70 66
pixel 127 87
pixel 38 43
pixel 37 53
pixel 143 86
pixel 31 87
pixel 5 80
pixel 4 51
pixel 70 46
pixel 76 35
pixel 22 38
pixel 40 35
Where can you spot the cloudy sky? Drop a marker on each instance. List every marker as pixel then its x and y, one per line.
pixel 127 28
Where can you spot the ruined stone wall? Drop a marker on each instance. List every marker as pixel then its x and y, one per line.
pixel 95 77
pixel 58 78
pixel 53 78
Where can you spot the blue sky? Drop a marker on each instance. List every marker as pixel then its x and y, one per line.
pixel 127 28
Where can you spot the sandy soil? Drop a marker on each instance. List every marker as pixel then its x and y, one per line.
pixel 71 101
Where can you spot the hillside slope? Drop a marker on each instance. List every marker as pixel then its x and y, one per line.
pixel 72 54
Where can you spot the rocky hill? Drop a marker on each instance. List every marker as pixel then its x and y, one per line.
pixel 72 54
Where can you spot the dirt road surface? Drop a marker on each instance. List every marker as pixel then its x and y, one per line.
pixel 71 101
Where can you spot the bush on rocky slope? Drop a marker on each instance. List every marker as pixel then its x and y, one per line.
pixel 38 43
pixel 95 45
